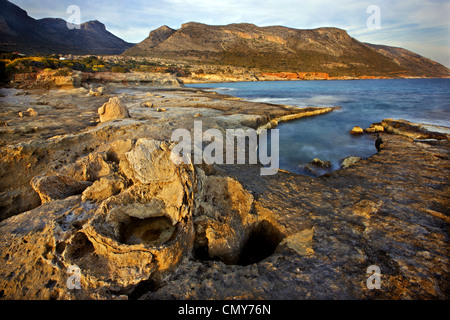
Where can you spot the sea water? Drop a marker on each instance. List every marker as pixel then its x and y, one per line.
pixel 363 102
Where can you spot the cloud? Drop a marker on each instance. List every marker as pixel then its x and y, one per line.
pixel 419 26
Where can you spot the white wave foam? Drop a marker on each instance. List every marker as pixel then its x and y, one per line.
pixel 323 100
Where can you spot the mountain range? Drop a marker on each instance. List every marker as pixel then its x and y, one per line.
pixel 278 48
pixel 269 49
pixel 22 33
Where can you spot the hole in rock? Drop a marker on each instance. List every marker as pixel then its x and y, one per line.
pixel 200 250
pixel 80 246
pixel 143 287
pixel 263 239
pixel 153 231
pixel 262 242
pixel 51 284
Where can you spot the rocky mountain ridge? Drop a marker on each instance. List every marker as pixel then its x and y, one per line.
pixel 22 33
pixel 282 49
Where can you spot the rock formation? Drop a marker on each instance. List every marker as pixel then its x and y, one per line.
pixel 374 128
pixel 317 167
pixel 357 130
pixel 347 162
pixel 104 188
pixel 120 219
pixel 112 110
pixel 51 188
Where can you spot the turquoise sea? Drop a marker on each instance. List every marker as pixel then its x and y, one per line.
pixel 363 102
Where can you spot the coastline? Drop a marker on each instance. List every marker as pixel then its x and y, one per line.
pixel 223 79
pixel 323 232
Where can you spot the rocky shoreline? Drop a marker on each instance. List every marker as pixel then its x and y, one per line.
pixel 105 198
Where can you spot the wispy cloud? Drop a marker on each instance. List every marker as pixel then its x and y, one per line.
pixel 418 25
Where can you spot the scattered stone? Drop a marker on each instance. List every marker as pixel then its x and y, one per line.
pixel 347 162
pixel 31 112
pixel 147 104
pixel 161 110
pixel 317 167
pixel 301 242
pixel 97 92
pixel 357 130
pixel 114 109
pixel 374 128
pixel 320 164
pixel 93 93
pixel 198 115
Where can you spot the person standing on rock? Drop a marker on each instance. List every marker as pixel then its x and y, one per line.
pixel 378 142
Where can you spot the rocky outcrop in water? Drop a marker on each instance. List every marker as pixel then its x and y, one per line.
pixel 357 130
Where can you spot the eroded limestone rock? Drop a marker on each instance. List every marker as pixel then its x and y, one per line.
pixel 320 163
pixel 414 130
pixel 317 167
pixel 226 234
pixel 112 110
pixel 150 161
pixel 91 167
pixel 57 187
pixel 357 130
pixel 104 188
pixel 116 242
pixel 374 128
pixel 348 161
pixel 300 242
pixel 222 218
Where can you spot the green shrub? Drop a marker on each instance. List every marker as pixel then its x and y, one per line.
pixel 75 65
pixel 93 63
pixel 64 72
pixel 19 66
pixel 119 69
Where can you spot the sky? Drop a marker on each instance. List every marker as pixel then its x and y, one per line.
pixel 422 26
